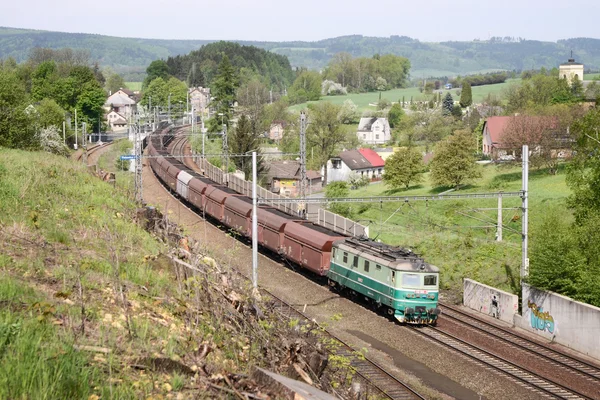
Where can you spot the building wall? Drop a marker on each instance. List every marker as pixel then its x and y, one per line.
pixel 487 141
pixel 569 71
pixel 337 174
pixel 491 301
pixel 561 319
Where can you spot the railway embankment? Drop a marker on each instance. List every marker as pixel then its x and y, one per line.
pixel 93 305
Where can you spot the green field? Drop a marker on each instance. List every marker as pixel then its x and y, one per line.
pixel 134 85
pixel 591 77
pixel 364 100
pixel 459 235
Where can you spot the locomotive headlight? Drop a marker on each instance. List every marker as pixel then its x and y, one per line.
pixel 431 296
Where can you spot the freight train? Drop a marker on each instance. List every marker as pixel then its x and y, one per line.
pixel 390 278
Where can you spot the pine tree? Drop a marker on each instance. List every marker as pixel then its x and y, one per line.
pixel 223 89
pixel 448 104
pixel 242 141
pixel 466 96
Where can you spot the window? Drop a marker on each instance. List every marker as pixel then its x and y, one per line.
pixel 378 267
pixel 355 262
pixel 430 280
pixel 364 135
pixel 366 266
pixel 393 276
pixel 411 280
pixel 377 136
pixel 345 258
pixel 336 164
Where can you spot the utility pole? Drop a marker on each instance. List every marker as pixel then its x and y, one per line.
pixel 138 165
pixel 64 133
pixel 499 230
pixel 303 161
pixel 225 149
pixel 187 105
pixel 525 197
pixel 169 118
pixel 203 130
pixel 75 129
pixel 254 226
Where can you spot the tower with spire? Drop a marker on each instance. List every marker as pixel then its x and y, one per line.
pixel 571 70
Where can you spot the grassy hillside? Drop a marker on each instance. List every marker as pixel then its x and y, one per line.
pixel 131 56
pixel 90 307
pixel 368 101
pixel 459 236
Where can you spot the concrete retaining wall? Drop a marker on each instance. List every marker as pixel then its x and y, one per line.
pixel 489 300
pixel 559 318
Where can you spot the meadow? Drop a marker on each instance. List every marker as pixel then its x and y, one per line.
pixel 367 101
pixel 459 236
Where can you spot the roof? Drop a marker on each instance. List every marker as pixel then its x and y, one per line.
pixel 496 126
pixel 372 157
pixel 119 99
pixel 354 160
pixel 288 170
pixel 571 62
pixel 366 123
pixel 279 122
pixel 126 91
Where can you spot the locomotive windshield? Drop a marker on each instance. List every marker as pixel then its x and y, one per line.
pixel 430 280
pixel 411 280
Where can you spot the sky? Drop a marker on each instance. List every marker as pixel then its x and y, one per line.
pixel 309 20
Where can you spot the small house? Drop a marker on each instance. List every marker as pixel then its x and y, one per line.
pixel 373 130
pixel 283 177
pixel 363 162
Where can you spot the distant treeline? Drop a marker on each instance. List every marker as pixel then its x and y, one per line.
pixel 482 79
pixel 199 67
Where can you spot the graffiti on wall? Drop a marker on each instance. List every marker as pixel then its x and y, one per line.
pixel 540 319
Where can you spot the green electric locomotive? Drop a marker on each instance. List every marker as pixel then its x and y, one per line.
pixel 387 276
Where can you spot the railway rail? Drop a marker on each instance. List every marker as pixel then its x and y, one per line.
pixel 560 359
pixel 381 381
pixel 91 150
pixel 539 384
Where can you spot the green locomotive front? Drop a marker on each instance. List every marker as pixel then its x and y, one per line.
pixel 387 276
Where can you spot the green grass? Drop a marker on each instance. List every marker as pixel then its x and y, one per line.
pixel 134 85
pixel 460 245
pixel 591 77
pixel 367 101
pixel 110 161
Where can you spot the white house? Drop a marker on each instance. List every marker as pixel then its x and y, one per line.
pixel 116 122
pixel 199 99
pixel 122 102
pixel 363 162
pixel 372 130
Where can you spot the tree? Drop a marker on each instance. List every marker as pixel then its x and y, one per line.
pixel 50 114
pixel 114 83
pixel 448 104
pixel 243 141
pixel 577 89
pixel 453 162
pixel 14 123
pixel 89 104
pixel 224 89
pixel 395 115
pixel 457 111
pixel 403 168
pixel 466 95
pixel 307 86
pixel 156 69
pixel 252 98
pixel 348 113
pixel 383 104
pixel 338 189
pixel 324 132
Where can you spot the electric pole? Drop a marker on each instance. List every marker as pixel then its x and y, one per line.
pixel 303 161
pixel 524 226
pixel 138 165
pixel 225 149
pixel 254 226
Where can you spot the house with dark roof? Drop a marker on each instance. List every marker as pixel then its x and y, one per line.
pixel 122 101
pixel 116 122
pixel 283 177
pixel 373 130
pixel 361 162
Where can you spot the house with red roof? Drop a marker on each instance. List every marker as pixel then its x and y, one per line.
pixel 493 129
pixel 361 162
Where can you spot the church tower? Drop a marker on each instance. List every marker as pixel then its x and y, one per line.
pixel 571 70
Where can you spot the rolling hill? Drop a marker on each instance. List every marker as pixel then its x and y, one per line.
pixel 130 56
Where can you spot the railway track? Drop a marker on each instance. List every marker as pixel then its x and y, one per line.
pixel 91 150
pixel 381 381
pixel 545 387
pixel 369 371
pixel 555 356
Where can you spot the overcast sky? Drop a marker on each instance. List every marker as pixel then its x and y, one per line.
pixel 278 20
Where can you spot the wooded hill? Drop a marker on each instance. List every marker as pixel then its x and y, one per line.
pixel 130 56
